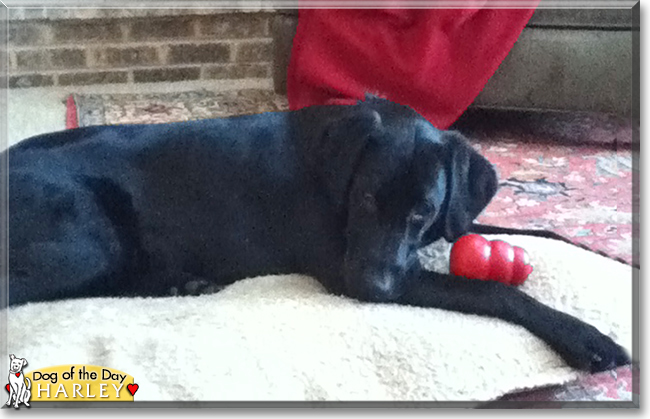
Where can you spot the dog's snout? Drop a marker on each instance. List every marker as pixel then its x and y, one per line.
pixel 385 285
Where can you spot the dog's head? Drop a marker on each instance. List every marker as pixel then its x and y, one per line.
pixel 16 364
pixel 403 184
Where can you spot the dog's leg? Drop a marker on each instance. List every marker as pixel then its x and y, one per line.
pixel 11 394
pixel 582 346
pixel 15 394
pixel 61 269
pixel 26 396
pixel 172 283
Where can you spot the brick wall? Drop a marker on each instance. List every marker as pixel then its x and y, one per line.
pixel 139 49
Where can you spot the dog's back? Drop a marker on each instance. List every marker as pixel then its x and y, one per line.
pixel 91 209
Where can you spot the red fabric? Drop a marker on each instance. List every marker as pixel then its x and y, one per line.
pixel 71 120
pixel 435 60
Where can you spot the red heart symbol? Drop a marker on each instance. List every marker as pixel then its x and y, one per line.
pixel 132 388
pixel 17 374
pixel 8 387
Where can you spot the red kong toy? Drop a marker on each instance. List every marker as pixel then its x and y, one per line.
pixel 474 257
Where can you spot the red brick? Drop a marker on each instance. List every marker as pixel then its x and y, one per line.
pixel 237 71
pixel 126 57
pixel 203 53
pixel 50 59
pixel 30 80
pixel 166 74
pixel 67 58
pixel 86 31
pixel 254 52
pixel 104 77
pixel 32 60
pixel 21 33
pixel 231 26
pixel 166 28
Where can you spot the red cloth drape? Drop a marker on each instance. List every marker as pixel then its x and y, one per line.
pixel 435 60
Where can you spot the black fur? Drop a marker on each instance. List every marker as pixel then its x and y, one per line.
pixel 346 194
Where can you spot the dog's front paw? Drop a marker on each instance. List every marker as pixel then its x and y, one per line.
pixel 585 348
pixel 201 287
pixel 196 287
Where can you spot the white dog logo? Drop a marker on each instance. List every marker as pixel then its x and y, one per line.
pixel 19 385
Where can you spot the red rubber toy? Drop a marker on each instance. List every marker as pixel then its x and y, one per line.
pixel 474 257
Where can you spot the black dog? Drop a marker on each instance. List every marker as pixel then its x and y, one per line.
pixel 346 194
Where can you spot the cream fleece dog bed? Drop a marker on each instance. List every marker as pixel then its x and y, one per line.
pixel 285 338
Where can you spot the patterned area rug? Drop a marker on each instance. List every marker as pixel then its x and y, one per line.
pixel 568 173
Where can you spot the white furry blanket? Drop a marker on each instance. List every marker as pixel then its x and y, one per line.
pixel 285 338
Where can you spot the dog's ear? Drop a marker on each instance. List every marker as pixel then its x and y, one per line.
pixel 12 357
pixel 472 185
pixel 24 362
pixel 335 140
